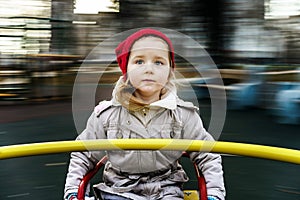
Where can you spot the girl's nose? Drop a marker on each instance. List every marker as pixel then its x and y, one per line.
pixel 149 67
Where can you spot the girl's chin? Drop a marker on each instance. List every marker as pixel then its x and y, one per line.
pixel 148 91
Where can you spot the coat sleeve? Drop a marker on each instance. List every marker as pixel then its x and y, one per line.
pixel 210 164
pixel 82 162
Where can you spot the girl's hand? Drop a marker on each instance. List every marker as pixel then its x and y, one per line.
pixel 212 198
pixel 85 198
pixel 73 196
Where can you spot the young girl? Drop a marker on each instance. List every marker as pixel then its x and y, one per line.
pixel 145 105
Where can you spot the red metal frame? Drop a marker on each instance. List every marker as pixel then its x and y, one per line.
pixel 84 182
pixel 201 180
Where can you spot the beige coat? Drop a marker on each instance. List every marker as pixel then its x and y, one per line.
pixel 125 170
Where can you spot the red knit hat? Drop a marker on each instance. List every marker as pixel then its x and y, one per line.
pixel 123 49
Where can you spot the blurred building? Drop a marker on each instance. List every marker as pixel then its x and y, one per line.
pixel 43 42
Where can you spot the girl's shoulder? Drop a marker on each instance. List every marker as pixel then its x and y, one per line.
pixel 184 110
pixel 102 106
pixel 186 105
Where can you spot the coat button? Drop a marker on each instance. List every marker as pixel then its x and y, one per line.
pixel 128 122
pixel 172 134
pixel 119 135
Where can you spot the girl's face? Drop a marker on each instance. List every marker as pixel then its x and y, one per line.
pixel 148 68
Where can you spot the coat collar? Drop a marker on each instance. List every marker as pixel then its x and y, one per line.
pixel 169 101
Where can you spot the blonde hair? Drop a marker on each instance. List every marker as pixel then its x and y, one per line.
pixel 125 93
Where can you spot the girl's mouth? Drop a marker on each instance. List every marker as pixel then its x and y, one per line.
pixel 148 80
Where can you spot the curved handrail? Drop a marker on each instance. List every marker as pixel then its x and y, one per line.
pixel 86 179
pixel 243 149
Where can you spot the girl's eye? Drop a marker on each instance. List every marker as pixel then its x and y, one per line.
pixel 158 62
pixel 139 62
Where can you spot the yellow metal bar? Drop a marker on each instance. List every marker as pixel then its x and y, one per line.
pixel 243 149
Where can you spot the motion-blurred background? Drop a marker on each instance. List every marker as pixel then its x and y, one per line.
pixel 254 43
